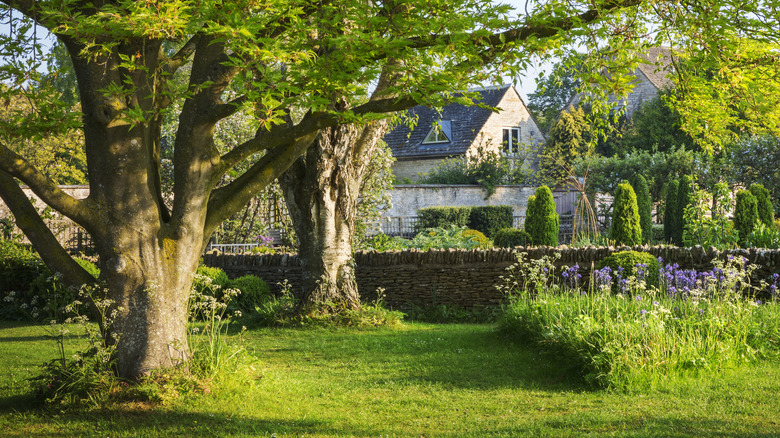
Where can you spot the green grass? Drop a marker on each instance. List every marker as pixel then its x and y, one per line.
pixel 418 380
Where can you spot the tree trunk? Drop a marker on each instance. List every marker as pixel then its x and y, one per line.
pixel 321 191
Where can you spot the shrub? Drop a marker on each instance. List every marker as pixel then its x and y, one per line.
pixel 745 214
pixel 645 206
pixel 511 237
pixel 217 275
pixel 766 213
pixel 442 238
pixel 624 264
pixel 541 221
pixel 476 236
pixel 441 217
pixel 253 292
pixel 19 266
pixel 625 217
pixel 670 218
pixel 763 237
pixel 490 219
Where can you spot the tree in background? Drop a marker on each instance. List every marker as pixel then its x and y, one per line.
pixel 541 221
pixel 655 126
pixel 753 160
pixel 745 214
pixel 552 93
pixel 569 138
pixel 765 212
pixel 626 229
pixel 644 207
pixel 671 223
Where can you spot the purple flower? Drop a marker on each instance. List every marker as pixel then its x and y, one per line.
pixel 638 298
pixel 643 312
pixel 655 303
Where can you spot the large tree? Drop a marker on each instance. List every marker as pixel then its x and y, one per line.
pixel 308 73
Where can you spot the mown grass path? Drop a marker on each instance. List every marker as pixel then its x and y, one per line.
pixel 420 380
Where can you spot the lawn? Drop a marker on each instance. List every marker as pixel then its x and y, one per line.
pixel 419 380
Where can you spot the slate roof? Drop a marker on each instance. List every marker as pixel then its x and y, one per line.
pixel 467 122
pixel 658 66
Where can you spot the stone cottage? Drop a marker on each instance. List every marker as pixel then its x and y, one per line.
pixel 457 130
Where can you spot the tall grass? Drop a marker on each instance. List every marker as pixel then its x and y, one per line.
pixel 693 322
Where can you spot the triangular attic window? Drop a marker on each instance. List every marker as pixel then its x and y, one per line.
pixel 440 132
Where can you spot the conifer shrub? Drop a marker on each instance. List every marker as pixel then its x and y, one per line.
pixel 645 205
pixel 442 217
pixel 511 237
pixel 684 199
pixel 625 217
pixel 745 214
pixel 766 213
pixel 670 217
pixel 476 236
pixel 490 219
pixel 542 222
pixel 625 264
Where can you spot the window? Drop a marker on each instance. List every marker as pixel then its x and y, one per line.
pixel 440 132
pixel 511 141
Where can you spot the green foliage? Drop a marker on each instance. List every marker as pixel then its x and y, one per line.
pixel 484 168
pixel 435 217
pixel 19 266
pixel 568 139
pixel 763 237
pixel 753 160
pixel 671 222
pixel 477 236
pixel 633 343
pixel 630 263
pixel 511 237
pixel 253 292
pixel 655 126
pixel 382 242
pixel 490 219
pixel 541 221
pixel 684 199
pixel 766 213
pixel 443 238
pixel 645 207
pixel 708 225
pixel 217 275
pixel 745 214
pixel 553 92
pixel 374 191
pixel 626 229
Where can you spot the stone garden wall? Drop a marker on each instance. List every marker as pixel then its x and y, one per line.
pixel 463 278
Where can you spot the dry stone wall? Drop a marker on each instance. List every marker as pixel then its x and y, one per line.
pixel 463 278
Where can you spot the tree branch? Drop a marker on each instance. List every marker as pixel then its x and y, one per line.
pixel 30 222
pixel 41 185
pixel 184 53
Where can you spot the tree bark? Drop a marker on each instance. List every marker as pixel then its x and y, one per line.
pixel 321 190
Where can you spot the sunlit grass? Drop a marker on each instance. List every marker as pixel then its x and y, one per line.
pixel 417 380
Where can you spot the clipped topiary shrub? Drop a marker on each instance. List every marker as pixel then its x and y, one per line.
pixel 645 206
pixel 441 217
pixel 624 264
pixel 625 217
pixel 745 214
pixel 670 217
pixel 542 222
pixel 766 213
pixel 511 237
pixel 478 237
pixel 490 219
pixel 254 291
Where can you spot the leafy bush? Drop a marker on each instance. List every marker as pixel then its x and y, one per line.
pixel 48 296
pixel 482 241
pixel 382 242
pixel 542 222
pixel 253 292
pixel 707 219
pixel 745 214
pixel 511 237
pixel 19 266
pixel 625 217
pixel 670 218
pixel 442 238
pixel 684 199
pixel 632 264
pixel 645 207
pixel 490 219
pixel 766 213
pixel 763 237
pixel 217 275
pixel 438 217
